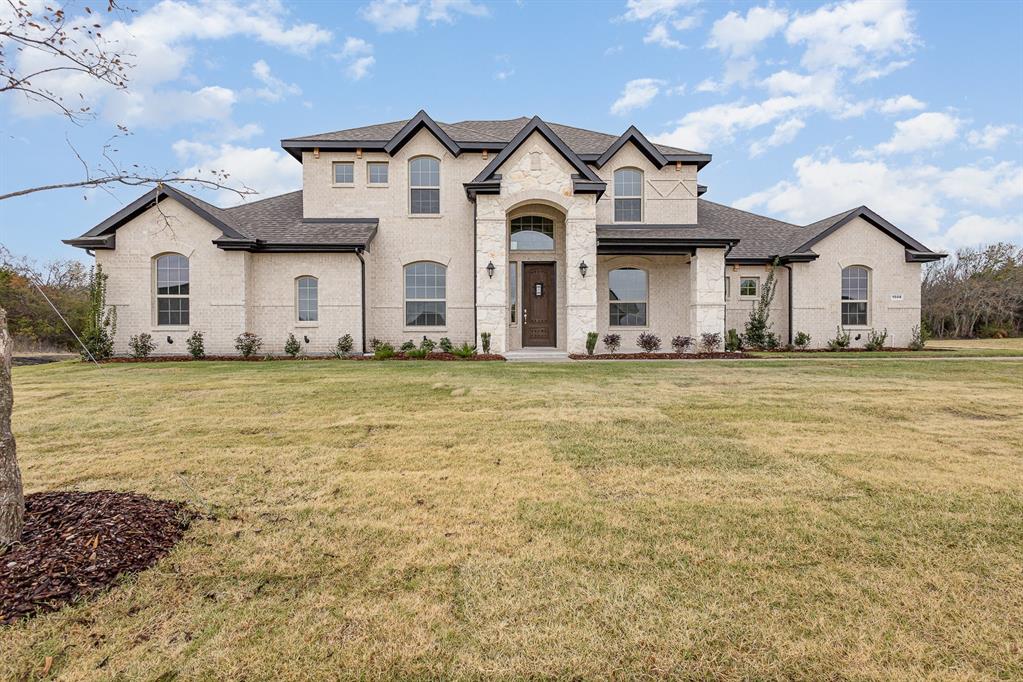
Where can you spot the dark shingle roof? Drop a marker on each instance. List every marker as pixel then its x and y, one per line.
pixel 759 236
pixel 580 140
pixel 278 220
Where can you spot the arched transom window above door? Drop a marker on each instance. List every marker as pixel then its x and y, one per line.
pixel 532 233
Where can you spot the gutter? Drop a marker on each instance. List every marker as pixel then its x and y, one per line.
pixel 789 268
pixel 475 274
pixel 362 262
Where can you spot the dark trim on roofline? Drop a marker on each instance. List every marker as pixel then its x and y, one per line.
pixel 536 125
pixel 343 221
pixel 586 186
pixel 260 246
pixel 924 256
pixel 105 242
pixel 420 120
pixel 627 246
pixel 633 135
pixel 491 186
pixel 875 220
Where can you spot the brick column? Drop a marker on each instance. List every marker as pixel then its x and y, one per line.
pixel 581 294
pixel 491 292
pixel 707 293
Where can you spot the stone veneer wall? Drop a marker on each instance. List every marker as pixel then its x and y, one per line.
pixel 707 293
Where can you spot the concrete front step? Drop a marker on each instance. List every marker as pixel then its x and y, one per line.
pixel 537 355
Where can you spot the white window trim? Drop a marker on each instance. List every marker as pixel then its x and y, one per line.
pixel 749 297
pixel 440 202
pixel 870 282
pixel 157 296
pixel 370 183
pixel 645 301
pixel 640 196
pixel 307 323
pixel 409 328
pixel 333 174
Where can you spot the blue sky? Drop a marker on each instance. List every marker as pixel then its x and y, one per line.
pixel 915 109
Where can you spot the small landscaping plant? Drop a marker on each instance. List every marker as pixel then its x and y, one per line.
pixel 801 340
pixel 918 338
pixel 591 342
pixel 292 346
pixel 344 346
pixel 142 346
pixel 427 345
pixel 875 340
pixel 465 351
pixel 710 341
pixel 409 345
pixel 648 342
pixel 446 345
pixel 733 342
pixel 383 351
pixel 612 342
pixel 682 344
pixel 101 322
pixel 485 340
pixel 374 343
pixel 758 327
pixel 841 341
pixel 196 346
pixel 248 344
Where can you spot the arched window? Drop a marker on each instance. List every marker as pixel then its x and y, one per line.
pixel 425 297
pixel 424 185
pixel 627 293
pixel 172 290
pixel 628 195
pixel 307 299
pixel 532 233
pixel 855 287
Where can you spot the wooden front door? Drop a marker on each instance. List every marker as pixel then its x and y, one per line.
pixel 539 309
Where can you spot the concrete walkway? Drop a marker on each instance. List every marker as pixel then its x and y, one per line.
pixel 537 355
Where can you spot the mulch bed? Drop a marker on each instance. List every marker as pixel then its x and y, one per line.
pixel 436 356
pixel 76 544
pixel 662 356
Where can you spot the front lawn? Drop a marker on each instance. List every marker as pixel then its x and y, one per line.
pixel 749 519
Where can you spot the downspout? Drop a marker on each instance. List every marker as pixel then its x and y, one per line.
pixel 362 262
pixel 789 268
pixel 475 309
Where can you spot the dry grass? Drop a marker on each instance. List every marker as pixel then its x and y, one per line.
pixel 846 519
pixel 985 344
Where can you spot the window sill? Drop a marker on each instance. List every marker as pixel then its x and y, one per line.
pixel 426 216
pixel 428 330
pixel 345 185
pixel 171 328
pixel 376 185
pixel 307 325
pixel 612 327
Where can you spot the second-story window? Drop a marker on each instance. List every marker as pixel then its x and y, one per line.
pixel 424 185
pixel 628 195
pixel 377 172
pixel 344 173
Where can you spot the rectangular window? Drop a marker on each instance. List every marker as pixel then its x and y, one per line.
pixel 628 314
pixel 425 287
pixel 855 281
pixel 377 172
pixel 748 286
pixel 628 210
pixel 425 200
pixel 513 290
pixel 728 287
pixel 854 314
pixel 344 173
pixel 628 195
pixel 172 311
pixel 424 185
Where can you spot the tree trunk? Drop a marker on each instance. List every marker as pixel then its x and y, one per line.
pixel 12 499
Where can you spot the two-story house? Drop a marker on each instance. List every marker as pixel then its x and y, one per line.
pixel 535 232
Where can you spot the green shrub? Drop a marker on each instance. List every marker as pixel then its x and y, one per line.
pixel 591 342
pixel 733 342
pixel 801 340
pixel 485 340
pixel 465 351
pixel 142 346
pixel 248 344
pixel 446 345
pixel 682 344
pixel 344 346
pixel 918 339
pixel 407 346
pixel 375 343
pixel 710 341
pixel 612 342
pixel 875 340
pixel 383 351
pixel 648 342
pixel 841 340
pixel 196 346
pixel 758 327
pixel 101 323
pixel 292 346
pixel 427 346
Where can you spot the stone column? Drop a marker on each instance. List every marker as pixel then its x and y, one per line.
pixel 491 292
pixel 707 293
pixel 581 294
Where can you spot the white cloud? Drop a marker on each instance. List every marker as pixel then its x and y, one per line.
pixel 975 230
pixel 268 171
pixel 686 23
pixel 860 34
pixel 709 85
pixel 637 94
pixel 926 131
pixel 897 105
pixel 614 49
pixel 991 136
pixel 403 15
pixel 358 55
pixel 164 108
pixel 641 10
pixel 659 35
pixel 274 88
pixel 784 133
pixel 875 72
pixel 916 198
pixel 738 35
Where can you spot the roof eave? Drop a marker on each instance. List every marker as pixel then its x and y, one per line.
pixel 417 122
pixel 924 256
pixel 637 138
pixel 105 242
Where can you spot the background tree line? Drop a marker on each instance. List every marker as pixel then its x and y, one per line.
pixel 32 322
pixel 975 292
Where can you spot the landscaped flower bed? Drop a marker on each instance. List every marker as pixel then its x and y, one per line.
pixel 437 356
pixel 662 356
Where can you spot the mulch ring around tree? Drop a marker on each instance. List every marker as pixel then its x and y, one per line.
pixel 663 356
pixel 76 544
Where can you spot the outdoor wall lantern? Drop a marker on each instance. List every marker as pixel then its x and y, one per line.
pixel 306 337
pixel 170 340
pixel 583 267
pixel 490 269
